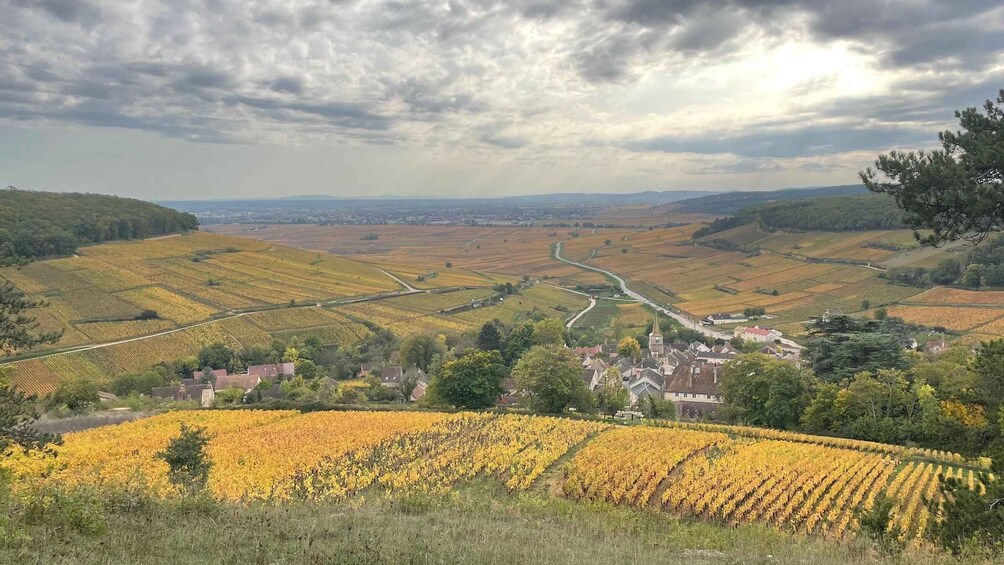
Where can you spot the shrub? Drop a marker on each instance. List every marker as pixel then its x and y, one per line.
pixel 187 460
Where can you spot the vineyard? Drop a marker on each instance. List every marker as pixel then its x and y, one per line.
pixel 118 291
pixel 337 325
pixel 793 482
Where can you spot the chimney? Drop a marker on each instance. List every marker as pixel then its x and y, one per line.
pixel 716 373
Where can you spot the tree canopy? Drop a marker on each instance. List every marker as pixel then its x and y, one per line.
pixel 957 191
pixel 551 378
pixel 471 381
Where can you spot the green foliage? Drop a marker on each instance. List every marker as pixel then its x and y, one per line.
pixel 472 381
pixel 520 340
pixel 418 350
pixel 876 524
pixel 551 379
pixel 18 329
pixel 611 397
pixel 989 366
pixel 140 383
pixel 46 224
pixel 17 414
pixel 490 337
pixel 550 331
pixel 657 408
pixel 217 356
pixel 766 391
pixel 840 355
pixel 955 191
pixel 75 395
pixel 187 460
pixel 968 518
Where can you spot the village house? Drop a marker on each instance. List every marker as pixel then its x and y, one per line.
pixel 724 318
pixel 273 371
pixel 694 391
pixel 201 393
pixel 757 334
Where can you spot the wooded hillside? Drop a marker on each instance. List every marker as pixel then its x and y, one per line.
pixel 47 224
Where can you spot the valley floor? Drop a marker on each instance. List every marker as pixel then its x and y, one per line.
pixel 480 523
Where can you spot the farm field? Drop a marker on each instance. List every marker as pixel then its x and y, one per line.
pixel 796 275
pixel 101 295
pixel 342 325
pixel 411 251
pixel 791 482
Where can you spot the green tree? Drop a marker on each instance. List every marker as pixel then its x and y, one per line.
pixel 766 391
pixel 968 517
pixel 876 523
pixel 550 377
pixel 611 397
pixel 75 395
pixel 472 381
pixel 419 349
pixel 629 347
pixel 520 340
pixel 18 329
pixel 880 314
pixel 17 414
pixel 187 460
pixel 841 355
pixel 490 337
pixel 947 271
pixel 972 277
pixel 217 356
pixel 989 366
pixel 307 369
pixel 549 331
pixel 954 191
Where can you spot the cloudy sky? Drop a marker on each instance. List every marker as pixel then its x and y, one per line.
pixel 217 98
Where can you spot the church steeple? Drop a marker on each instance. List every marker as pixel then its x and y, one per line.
pixel 655 344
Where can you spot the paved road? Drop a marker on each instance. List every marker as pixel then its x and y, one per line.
pixel 592 302
pixel 686 321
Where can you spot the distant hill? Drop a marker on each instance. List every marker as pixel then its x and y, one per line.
pixel 861 212
pixel 34 225
pixel 731 202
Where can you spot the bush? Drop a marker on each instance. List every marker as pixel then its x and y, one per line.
pixel 187 460
pixel 875 524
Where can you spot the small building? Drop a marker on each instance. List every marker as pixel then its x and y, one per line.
pixel 243 382
pixel 936 346
pixel 273 371
pixel 201 393
pixel 391 376
pixel 694 390
pixel 757 334
pixel 724 318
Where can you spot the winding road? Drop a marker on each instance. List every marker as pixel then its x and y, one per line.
pixel 592 303
pixel 685 320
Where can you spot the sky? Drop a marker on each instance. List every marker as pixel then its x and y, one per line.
pixel 190 99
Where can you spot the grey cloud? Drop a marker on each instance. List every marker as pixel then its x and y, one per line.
pixel 506 142
pixel 288 84
pixel 806 141
pixel 737 167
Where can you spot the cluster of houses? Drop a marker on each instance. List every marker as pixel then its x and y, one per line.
pixel 687 374
pixel 394 376
pixel 203 390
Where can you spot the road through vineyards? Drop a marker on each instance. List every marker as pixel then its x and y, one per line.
pixel 685 320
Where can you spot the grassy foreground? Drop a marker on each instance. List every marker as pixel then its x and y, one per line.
pixel 479 523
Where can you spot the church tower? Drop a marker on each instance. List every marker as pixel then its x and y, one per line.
pixel 655 344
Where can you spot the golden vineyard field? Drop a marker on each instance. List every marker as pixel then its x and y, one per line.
pixel 793 482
